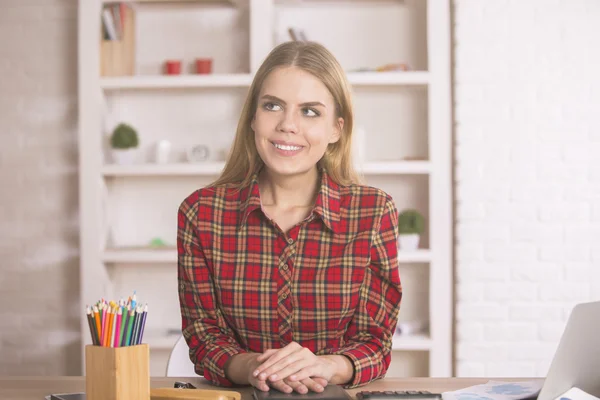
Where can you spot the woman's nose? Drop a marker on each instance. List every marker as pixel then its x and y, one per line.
pixel 288 122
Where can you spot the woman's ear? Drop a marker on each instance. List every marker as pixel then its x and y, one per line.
pixel 252 124
pixel 337 130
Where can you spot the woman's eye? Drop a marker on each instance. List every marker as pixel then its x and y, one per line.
pixel 271 107
pixel 309 112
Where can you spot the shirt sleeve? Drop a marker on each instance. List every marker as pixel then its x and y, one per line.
pixel 369 334
pixel 211 341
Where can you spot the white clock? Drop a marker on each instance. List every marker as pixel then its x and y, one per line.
pixel 198 153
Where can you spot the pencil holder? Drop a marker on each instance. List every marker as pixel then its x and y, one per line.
pixel 117 373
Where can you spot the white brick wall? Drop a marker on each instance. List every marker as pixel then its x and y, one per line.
pixel 39 278
pixel 527 101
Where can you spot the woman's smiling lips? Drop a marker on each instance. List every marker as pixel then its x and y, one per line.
pixel 286 149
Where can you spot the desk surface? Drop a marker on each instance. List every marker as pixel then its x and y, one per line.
pixel 35 388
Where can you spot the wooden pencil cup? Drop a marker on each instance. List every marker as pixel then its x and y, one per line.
pixel 117 373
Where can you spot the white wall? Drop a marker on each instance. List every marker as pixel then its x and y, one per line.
pixel 39 232
pixel 527 113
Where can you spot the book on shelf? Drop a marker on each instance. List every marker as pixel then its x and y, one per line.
pixel 113 20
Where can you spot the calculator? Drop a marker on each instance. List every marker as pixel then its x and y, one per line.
pixel 398 395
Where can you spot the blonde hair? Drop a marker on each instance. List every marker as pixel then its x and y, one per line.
pixel 244 161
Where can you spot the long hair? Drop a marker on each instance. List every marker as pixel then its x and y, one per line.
pixel 243 160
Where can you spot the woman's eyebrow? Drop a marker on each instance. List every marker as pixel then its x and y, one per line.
pixel 278 100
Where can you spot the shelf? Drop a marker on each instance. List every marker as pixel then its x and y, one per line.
pixel 388 78
pixel 307 2
pixel 140 255
pixel 399 342
pixel 411 342
pixel 244 80
pixel 175 82
pixel 228 2
pixel 417 256
pixel 214 168
pixel 395 167
pixel 185 169
pixel 169 255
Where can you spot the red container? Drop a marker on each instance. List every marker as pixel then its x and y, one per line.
pixel 203 65
pixel 173 67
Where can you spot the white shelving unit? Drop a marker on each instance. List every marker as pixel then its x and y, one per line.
pixel 169 255
pixel 244 80
pixel 213 168
pixel 405 114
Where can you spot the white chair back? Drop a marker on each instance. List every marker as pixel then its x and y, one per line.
pixel 179 363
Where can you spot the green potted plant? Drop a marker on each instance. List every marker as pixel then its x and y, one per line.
pixel 124 142
pixel 410 227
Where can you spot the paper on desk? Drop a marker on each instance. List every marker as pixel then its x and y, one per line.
pixel 576 394
pixel 497 390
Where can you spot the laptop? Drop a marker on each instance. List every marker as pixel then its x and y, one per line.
pixel 576 362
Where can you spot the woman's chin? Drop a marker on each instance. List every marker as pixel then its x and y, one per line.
pixel 288 168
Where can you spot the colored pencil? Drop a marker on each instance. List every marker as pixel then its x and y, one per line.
pixel 125 322
pixel 98 325
pixel 91 323
pixel 139 324
pixel 103 338
pixel 141 335
pixel 129 327
pixel 116 342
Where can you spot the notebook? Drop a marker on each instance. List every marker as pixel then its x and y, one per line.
pixel 331 392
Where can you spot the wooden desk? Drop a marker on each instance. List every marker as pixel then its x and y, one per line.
pixel 35 388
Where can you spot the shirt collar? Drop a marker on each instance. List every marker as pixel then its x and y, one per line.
pixel 327 204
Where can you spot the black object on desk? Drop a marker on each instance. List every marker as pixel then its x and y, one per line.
pixel 67 396
pixel 331 392
pixel 398 395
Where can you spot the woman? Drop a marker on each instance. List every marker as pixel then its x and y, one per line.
pixel 287 267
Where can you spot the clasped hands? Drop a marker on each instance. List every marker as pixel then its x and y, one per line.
pixel 291 368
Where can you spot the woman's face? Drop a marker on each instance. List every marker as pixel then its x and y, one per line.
pixel 295 121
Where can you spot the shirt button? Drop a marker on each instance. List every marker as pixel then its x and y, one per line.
pixel 284 267
pixel 284 296
pixel 290 240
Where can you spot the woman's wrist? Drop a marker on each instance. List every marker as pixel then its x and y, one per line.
pixel 239 367
pixel 342 367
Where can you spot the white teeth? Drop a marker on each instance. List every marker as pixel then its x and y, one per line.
pixel 288 148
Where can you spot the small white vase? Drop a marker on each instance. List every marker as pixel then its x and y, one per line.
pixel 409 241
pixel 163 149
pixel 124 156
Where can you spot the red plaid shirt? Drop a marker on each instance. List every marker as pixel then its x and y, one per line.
pixel 331 283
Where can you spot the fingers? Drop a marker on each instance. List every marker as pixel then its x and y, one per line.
pixel 321 381
pixel 260 385
pixel 302 373
pixel 264 356
pixel 281 354
pixel 286 367
pixel 282 386
pixel 312 385
pixel 315 372
pixel 307 385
